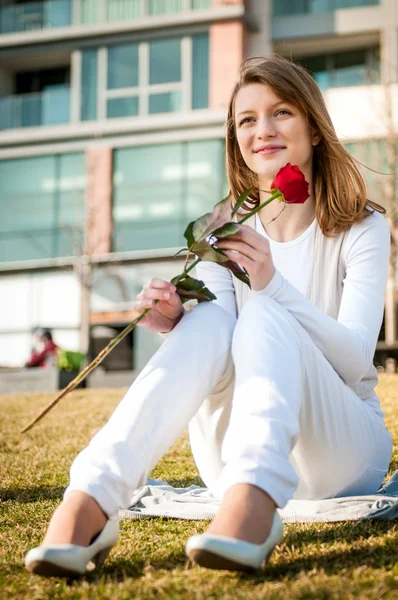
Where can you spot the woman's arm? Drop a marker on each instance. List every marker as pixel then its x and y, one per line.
pixel 349 342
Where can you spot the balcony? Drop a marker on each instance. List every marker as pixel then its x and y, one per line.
pixel 50 107
pixel 47 14
pixel 97 11
pixel 31 16
pixel 282 8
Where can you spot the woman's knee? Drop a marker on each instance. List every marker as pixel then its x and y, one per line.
pixel 261 316
pixel 210 321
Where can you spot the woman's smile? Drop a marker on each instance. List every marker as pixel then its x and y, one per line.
pixel 269 149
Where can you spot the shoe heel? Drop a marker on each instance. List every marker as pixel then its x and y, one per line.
pixel 99 559
pixel 101 556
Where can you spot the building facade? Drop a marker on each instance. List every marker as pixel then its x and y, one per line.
pixel 111 139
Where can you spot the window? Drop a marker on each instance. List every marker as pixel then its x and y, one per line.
pixel 89 85
pixel 94 11
pixel 29 16
pixel 40 98
pixel 344 69
pixel 158 189
pixel 283 8
pixel 122 66
pixel 43 198
pixel 146 78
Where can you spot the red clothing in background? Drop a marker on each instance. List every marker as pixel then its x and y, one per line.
pixel 40 359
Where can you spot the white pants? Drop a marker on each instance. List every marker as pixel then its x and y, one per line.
pixel 263 405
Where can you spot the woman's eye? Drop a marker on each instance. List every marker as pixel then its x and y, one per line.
pixel 283 111
pixel 245 120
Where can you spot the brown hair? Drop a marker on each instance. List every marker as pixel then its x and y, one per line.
pixel 339 188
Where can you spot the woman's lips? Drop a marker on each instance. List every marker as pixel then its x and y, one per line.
pixel 270 150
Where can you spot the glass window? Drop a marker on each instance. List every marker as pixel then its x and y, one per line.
pixel 43 198
pixel 318 67
pixel 159 189
pixel 165 61
pixel 200 71
pixel 69 218
pixel 206 177
pixel 148 194
pixel 122 66
pixel 162 103
pixel 89 11
pixel 197 4
pixel 295 7
pixel 344 69
pixel 89 85
pixel 161 7
pixel 164 90
pixel 118 10
pixel 349 68
pixel 122 107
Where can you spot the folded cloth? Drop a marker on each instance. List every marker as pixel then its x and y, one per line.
pixel 159 499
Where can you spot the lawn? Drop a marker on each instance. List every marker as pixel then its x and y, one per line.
pixel 321 561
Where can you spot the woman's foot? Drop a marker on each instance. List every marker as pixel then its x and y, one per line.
pixel 243 534
pixel 77 520
pixel 246 513
pixel 79 538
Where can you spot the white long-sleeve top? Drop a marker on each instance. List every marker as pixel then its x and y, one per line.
pixel 349 342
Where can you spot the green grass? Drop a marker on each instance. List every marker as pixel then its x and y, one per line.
pixel 320 561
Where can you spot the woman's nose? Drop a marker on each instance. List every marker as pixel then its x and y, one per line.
pixel 265 128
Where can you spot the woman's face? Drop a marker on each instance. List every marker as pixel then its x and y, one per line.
pixel 271 133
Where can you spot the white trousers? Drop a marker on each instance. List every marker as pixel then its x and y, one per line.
pixel 263 405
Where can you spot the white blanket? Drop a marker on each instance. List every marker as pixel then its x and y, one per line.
pixel 159 499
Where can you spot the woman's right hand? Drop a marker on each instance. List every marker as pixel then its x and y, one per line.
pixel 166 313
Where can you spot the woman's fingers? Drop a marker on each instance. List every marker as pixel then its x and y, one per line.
pixel 157 289
pixel 159 284
pixel 154 294
pixel 231 247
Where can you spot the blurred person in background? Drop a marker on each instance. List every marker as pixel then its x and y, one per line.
pixel 46 352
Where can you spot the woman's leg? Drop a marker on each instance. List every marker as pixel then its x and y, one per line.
pixel 296 430
pixel 194 358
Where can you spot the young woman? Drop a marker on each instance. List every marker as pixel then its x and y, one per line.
pixel 277 382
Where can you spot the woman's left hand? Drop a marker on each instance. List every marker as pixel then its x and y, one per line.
pixel 252 251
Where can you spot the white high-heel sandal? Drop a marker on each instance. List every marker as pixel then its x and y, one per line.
pixel 221 552
pixel 69 560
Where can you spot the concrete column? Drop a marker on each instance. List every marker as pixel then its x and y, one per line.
pixel 259 42
pixel 99 199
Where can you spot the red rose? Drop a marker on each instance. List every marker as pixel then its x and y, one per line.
pixel 290 181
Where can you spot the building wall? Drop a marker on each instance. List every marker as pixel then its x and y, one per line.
pixel 51 298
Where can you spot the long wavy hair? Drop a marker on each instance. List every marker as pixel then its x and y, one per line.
pixel 339 188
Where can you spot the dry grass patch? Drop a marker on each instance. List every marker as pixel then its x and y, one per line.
pixel 320 561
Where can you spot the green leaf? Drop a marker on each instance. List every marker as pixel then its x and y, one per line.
pixel 190 288
pixel 207 252
pixel 204 226
pixel 241 200
pixel 226 230
pixel 188 234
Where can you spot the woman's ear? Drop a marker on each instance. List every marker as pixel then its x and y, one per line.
pixel 316 138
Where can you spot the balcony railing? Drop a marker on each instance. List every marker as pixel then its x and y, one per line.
pixel 50 107
pixel 95 11
pixel 46 14
pixel 35 15
pixel 282 8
